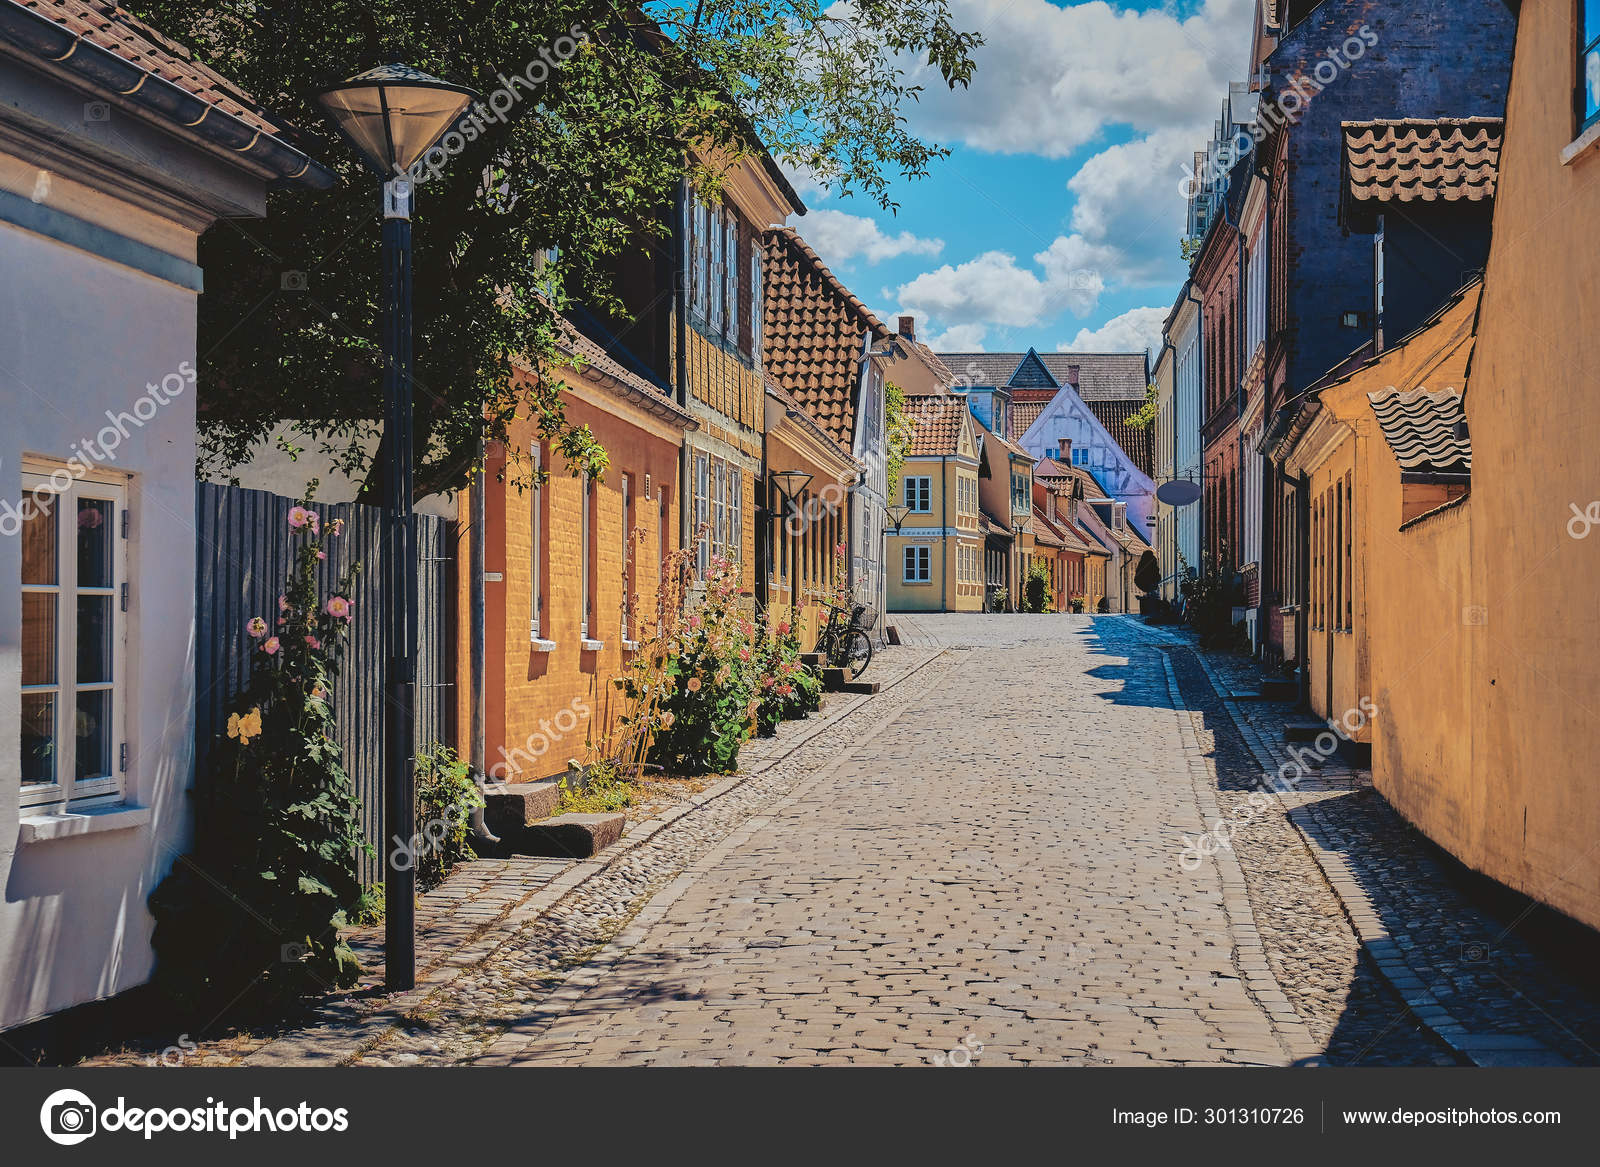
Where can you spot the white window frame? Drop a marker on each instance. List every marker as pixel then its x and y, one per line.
pixel 67 788
pixel 586 540
pixel 916 565
pixel 918 499
pixel 755 297
pixel 730 269
pixel 701 513
pixel 719 287
pixel 627 555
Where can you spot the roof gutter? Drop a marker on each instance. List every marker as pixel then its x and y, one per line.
pixel 103 70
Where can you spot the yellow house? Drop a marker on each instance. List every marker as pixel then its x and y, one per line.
pixel 936 555
pixel 1485 629
pixel 810 475
pixel 1366 510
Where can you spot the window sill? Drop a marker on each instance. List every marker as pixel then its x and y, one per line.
pixel 591 645
pixel 39 828
pixel 1580 144
pixel 630 646
pixel 541 645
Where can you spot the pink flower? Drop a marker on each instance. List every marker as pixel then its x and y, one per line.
pixel 744 654
pixel 299 517
pixel 257 628
pixel 667 719
pixel 783 628
pixel 335 526
pixel 694 621
pixel 694 685
pixel 322 555
pixel 313 641
pixel 283 603
pixel 338 607
pixel 316 521
pixel 270 646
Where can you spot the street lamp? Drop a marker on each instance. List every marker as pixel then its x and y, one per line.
pixel 393 115
pixel 790 483
pixel 897 516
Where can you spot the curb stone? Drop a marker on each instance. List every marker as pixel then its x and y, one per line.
pixel 1249 956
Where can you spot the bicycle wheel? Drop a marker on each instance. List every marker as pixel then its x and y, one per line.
pixel 859 655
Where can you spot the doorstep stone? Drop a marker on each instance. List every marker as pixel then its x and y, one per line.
pixel 508 809
pixel 571 836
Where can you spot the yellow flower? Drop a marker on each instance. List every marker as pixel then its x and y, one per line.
pixel 246 727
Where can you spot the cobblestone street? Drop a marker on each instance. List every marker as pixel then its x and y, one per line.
pixel 1042 842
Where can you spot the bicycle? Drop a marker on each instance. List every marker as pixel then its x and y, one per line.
pixel 844 640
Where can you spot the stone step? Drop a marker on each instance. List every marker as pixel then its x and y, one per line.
pixel 510 808
pixel 1303 729
pixel 868 687
pixel 571 836
pixel 815 659
pixel 891 634
pixel 1280 689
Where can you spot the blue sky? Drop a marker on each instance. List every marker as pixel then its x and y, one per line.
pixel 1055 221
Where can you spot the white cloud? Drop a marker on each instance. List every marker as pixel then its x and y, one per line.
pixel 1139 328
pixel 1049 79
pixel 839 237
pixel 994 289
pixel 958 338
pixel 805 183
pixel 1130 195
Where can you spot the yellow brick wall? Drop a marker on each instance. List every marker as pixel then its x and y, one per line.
pixel 542 707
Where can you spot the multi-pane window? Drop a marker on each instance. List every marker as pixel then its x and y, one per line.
pixel 1349 552
pixel 1589 64
pixel 730 269
pixel 586 621
pixel 919 494
pixel 536 550
pixel 701 513
pixel 716 245
pixel 1019 493
pixel 627 553
pixel 917 565
pixel 73 639
pixel 755 297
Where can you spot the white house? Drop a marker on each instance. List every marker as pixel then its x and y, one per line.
pixel 116 152
pixel 1178 439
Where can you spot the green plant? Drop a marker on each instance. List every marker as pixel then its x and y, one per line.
pixel 1036 588
pixel 789 689
pixel 599 788
pixel 1208 597
pixel 259 903
pixel 901 430
pixel 1144 417
pixel 446 797
pixel 704 703
pixel 1189 247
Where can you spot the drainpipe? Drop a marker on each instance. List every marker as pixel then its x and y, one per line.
pixel 1200 363
pixel 1302 632
pixel 1238 388
pixel 944 528
pixel 478 644
pixel 680 356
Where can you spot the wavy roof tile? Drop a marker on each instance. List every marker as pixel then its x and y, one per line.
pixel 1421 160
pixel 1426 430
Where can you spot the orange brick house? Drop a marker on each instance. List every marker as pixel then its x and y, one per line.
pixel 559 559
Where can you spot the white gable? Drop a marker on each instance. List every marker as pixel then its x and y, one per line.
pixel 1066 416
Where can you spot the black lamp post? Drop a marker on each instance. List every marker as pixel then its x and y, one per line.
pixel 393 115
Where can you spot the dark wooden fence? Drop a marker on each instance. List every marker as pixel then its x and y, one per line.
pixel 243 559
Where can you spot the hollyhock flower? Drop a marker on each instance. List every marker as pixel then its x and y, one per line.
pixel 694 621
pixel 257 628
pixel 338 607
pixel 667 719
pixel 335 526
pixel 270 646
pixel 694 685
pixel 744 654
pixel 313 641
pixel 786 690
pixel 283 603
pixel 299 517
pixel 783 628
pixel 322 555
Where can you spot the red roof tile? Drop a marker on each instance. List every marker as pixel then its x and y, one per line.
pixel 811 334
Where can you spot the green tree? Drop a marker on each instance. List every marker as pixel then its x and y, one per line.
pixel 575 181
pixel 901 428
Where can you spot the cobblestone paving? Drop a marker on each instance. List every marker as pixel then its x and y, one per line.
pixel 1509 983
pixel 988 877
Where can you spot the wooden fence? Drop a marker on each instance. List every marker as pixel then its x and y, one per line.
pixel 243 559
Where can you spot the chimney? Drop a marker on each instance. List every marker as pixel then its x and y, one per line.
pixel 1072 375
pixel 908 327
pixel 1064 451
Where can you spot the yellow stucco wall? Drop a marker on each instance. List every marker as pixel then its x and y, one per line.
pixel 1526 809
pixel 945 590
